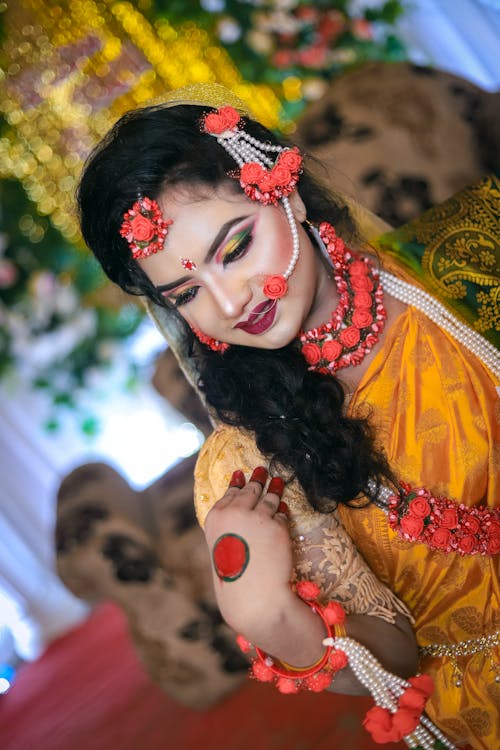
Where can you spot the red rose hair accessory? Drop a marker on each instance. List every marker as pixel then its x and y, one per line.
pixel 144 228
pixel 264 177
pixel 443 524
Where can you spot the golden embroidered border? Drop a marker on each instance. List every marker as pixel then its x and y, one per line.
pixel 462 648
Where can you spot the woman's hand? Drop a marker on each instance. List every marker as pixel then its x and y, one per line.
pixel 249 543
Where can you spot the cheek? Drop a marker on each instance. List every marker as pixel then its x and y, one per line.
pixel 276 247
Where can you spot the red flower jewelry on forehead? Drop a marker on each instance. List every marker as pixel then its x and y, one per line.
pixel 144 228
pixel 264 177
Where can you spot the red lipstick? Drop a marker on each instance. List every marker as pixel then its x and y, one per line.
pixel 260 318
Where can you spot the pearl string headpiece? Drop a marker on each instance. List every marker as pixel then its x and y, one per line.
pixel 268 173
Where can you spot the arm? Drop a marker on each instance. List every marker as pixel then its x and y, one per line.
pixel 260 605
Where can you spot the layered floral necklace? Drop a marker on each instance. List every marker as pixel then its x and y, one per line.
pixel 359 318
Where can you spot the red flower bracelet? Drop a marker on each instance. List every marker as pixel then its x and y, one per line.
pixel 316 677
pixel 398 713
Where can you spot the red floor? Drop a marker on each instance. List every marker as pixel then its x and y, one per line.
pixel 89 692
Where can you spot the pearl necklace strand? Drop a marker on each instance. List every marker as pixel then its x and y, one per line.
pixel 439 314
pixel 386 689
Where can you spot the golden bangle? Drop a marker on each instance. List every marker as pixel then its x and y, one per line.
pixel 339 630
pixel 300 669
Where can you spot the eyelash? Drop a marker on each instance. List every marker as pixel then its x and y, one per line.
pixel 185 297
pixel 239 251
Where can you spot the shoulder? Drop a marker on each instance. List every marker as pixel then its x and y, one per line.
pixel 225 450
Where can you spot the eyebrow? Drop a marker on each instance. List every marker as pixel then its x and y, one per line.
pixel 221 234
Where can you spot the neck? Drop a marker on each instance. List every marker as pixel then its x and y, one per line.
pixel 326 297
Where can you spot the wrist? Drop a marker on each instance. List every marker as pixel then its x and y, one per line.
pixel 294 635
pixel 305 671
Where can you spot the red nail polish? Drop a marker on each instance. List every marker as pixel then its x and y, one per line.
pixel 276 485
pixel 259 475
pixel 237 479
pixel 283 508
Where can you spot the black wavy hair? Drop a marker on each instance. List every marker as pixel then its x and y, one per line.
pixel 298 417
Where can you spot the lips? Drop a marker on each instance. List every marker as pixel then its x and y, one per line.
pixel 260 319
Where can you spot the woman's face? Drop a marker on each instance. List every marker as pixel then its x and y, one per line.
pixel 232 245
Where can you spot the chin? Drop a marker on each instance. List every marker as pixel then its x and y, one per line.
pixel 274 339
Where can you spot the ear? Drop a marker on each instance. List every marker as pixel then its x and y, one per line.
pixel 298 208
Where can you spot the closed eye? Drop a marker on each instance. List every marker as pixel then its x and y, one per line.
pixel 238 245
pixel 184 297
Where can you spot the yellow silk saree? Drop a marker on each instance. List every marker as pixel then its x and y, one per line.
pixel 436 410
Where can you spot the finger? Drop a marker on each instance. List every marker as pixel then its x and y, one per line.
pixel 237 480
pixel 250 495
pixel 236 483
pixel 276 487
pixel 259 475
pixel 272 499
pixel 283 510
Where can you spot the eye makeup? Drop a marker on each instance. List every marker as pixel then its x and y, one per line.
pixel 234 248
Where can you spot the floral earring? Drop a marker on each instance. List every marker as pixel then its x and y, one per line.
pixel 213 344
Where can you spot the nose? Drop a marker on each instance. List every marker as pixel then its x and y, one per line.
pixel 230 296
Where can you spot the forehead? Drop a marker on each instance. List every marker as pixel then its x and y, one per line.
pixel 189 201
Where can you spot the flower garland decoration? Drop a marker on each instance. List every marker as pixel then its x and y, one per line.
pixel 268 186
pixel 359 318
pixel 442 524
pixel 144 228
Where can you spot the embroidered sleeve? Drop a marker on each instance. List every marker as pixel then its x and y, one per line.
pixel 323 551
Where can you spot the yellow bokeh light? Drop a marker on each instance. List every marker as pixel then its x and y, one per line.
pixel 72 69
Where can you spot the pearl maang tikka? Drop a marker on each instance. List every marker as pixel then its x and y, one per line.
pixel 264 178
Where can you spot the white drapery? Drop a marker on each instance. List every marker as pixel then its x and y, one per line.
pixel 459 36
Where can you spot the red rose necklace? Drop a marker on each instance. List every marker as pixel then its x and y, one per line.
pixel 359 318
